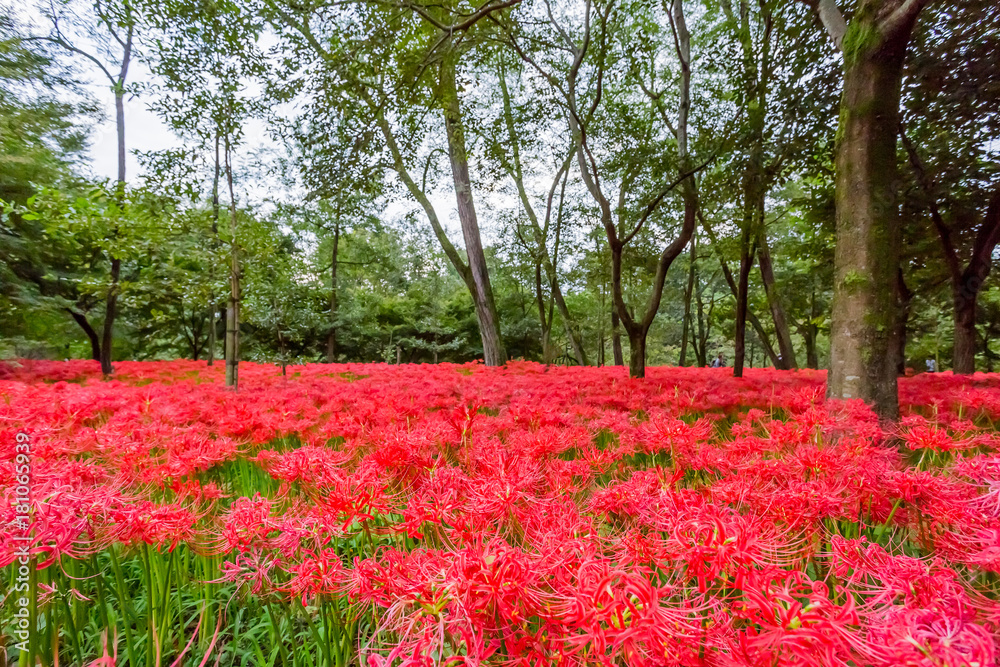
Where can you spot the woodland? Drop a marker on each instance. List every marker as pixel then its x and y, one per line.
pixel 393 336
pixel 578 182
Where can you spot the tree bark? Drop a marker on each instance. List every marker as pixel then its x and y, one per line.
pixel 688 293
pixel 95 343
pixel 812 332
pixel 544 320
pixel 970 284
pixel 637 353
pixel 701 349
pixel 905 299
pixel 742 299
pixel 331 339
pixel 616 337
pixel 781 330
pixel 482 294
pixel 111 304
pixel 213 307
pixel 233 310
pixel 868 231
pixel 735 290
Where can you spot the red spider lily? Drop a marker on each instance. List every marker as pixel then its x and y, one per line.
pixel 539 516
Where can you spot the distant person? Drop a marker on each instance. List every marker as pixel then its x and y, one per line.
pixel 718 362
pixel 931 366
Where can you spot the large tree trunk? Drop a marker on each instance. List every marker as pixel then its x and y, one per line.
pixel 862 345
pixel 781 330
pixel 637 353
pixel 964 354
pixel 331 338
pixel 482 295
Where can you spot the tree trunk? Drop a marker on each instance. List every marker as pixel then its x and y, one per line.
pixel 701 348
pixel 904 297
pixel 735 290
pixel 110 311
pixel 868 230
pixel 637 354
pixel 331 339
pixel 545 321
pixel 809 335
pixel 862 346
pixel 616 337
pixel 95 342
pixel 781 330
pixel 965 285
pixel 688 293
pixel 964 354
pixel 482 294
pixel 742 298
pixel 111 304
pixel 214 308
pixel 514 168
pixel 233 311
pixel 810 332
pixel 233 334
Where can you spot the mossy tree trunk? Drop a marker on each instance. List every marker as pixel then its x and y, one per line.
pixel 866 260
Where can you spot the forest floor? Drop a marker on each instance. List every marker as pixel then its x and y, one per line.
pixel 461 515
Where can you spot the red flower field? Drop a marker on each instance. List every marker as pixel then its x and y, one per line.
pixel 464 515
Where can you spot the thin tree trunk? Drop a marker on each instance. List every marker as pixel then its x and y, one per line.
pixel 811 332
pixel 688 293
pixel 211 337
pixel 95 342
pixel 331 339
pixel 701 349
pixel 781 330
pixel 905 299
pixel 233 311
pixel 110 312
pixel 540 232
pixel 616 337
pixel 742 298
pixel 111 304
pixel 213 308
pixel 482 295
pixel 546 322
pixel 735 290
